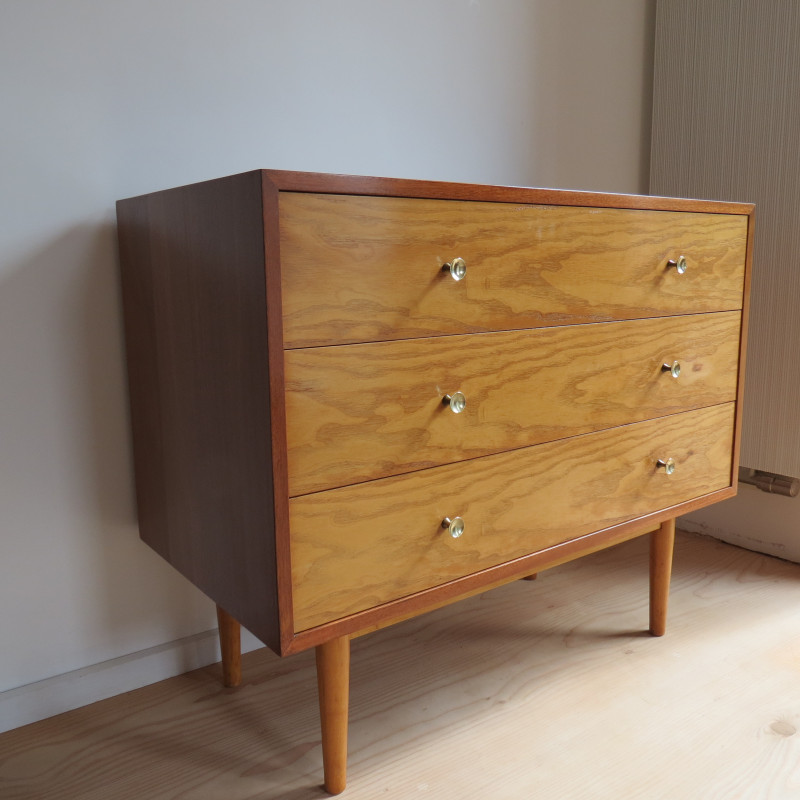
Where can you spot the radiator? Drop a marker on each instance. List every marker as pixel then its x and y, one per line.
pixel 726 126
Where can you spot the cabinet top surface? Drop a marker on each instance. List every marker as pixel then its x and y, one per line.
pixel 292 181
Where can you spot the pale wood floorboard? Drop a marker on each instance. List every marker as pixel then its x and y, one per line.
pixel 540 689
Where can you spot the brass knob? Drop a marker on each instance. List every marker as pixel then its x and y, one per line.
pixel 668 466
pixel 679 263
pixel 457 268
pixel 454 526
pixel 456 401
pixel 674 368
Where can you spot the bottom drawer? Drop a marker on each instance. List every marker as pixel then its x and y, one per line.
pixel 360 546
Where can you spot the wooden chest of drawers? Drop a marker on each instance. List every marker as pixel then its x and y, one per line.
pixel 356 399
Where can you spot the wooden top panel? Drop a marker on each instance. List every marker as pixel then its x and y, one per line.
pixel 289 181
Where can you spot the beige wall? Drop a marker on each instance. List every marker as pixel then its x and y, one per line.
pixel 103 100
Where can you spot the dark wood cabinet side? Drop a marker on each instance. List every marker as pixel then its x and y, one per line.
pixel 195 307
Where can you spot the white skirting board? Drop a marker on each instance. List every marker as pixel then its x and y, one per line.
pixel 755 520
pixel 42 699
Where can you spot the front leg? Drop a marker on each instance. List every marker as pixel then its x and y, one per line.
pixel 333 679
pixel 661 546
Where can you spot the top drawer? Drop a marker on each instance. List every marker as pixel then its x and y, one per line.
pixel 359 269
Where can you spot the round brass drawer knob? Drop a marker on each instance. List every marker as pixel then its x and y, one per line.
pixel 674 368
pixel 668 466
pixel 454 526
pixel 457 268
pixel 679 263
pixel 456 401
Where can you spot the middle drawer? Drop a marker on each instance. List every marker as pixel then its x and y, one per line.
pixel 366 411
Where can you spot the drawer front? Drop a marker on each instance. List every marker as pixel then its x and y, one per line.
pixel 361 546
pixel 359 412
pixel 364 269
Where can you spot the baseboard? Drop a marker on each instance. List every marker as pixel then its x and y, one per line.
pixel 783 549
pixel 46 698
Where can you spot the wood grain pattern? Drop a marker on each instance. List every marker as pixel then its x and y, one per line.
pixel 360 412
pixel 361 269
pixel 491 578
pixel 549 689
pixel 360 546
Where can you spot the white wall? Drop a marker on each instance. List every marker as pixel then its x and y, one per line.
pixel 102 100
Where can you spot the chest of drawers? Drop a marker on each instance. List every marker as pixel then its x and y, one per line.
pixel 357 399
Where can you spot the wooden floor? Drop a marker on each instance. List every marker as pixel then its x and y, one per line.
pixel 545 689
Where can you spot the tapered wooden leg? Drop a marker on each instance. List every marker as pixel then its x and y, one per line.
pixel 531 577
pixel 661 545
pixel 333 679
pixel 230 644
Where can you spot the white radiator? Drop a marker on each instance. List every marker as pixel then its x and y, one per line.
pixel 726 126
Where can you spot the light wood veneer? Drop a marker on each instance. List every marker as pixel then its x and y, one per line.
pixel 359 412
pixel 291 337
pixel 365 545
pixel 362 269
